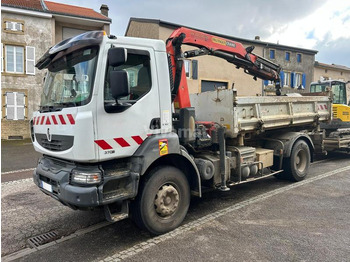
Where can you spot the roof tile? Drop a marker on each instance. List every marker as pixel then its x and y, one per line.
pixel 74 11
pixel 56 8
pixel 26 4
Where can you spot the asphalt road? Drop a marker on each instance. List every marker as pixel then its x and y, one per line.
pixel 268 220
pixel 18 155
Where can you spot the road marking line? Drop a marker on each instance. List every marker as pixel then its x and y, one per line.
pixel 14 182
pixel 208 218
pixel 17 171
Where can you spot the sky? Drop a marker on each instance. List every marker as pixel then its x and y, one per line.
pixel 322 25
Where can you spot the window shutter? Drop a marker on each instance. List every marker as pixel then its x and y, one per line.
pixel 2 57
pixel 10 105
pixel 292 79
pixel 282 77
pixel 20 100
pixel 303 82
pixel 30 60
pixel 194 69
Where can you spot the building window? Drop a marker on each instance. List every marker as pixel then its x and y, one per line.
pixel 272 54
pixel 286 79
pixel 13 26
pixel 287 56
pixel 191 68
pixel 187 64
pixel 299 58
pixel 15 106
pixel 212 85
pixel 14 59
pixel 17 59
pixel 298 78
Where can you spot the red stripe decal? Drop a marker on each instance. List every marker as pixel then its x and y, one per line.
pixel 103 144
pixel 137 139
pixel 34 121
pixel 71 119
pixel 42 120
pixel 121 141
pixel 48 121
pixel 326 107
pixel 37 120
pixel 54 120
pixel 62 119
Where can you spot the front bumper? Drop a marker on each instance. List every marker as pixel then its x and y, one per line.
pixel 52 176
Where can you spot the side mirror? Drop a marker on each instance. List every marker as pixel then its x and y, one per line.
pixel 119 84
pixel 117 56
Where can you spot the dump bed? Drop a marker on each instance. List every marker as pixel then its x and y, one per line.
pixel 259 113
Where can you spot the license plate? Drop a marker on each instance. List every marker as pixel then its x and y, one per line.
pixel 46 186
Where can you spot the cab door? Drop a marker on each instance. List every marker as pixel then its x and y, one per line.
pixel 123 125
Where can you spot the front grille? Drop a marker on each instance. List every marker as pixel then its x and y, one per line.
pixel 57 143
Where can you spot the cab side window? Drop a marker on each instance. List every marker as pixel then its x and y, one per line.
pixel 139 76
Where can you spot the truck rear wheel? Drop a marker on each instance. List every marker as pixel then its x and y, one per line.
pixel 163 200
pixel 298 164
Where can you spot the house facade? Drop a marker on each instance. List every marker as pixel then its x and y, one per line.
pixel 203 74
pixel 332 72
pixel 29 29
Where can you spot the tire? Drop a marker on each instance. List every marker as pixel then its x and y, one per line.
pixel 298 164
pixel 163 200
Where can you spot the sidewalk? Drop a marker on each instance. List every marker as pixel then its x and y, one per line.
pixel 18 155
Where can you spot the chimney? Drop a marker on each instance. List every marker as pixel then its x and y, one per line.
pixel 104 10
pixel 257 38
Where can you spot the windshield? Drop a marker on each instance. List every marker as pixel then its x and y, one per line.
pixel 69 81
pixel 338 90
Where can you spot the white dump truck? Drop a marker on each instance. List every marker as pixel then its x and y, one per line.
pixel 118 129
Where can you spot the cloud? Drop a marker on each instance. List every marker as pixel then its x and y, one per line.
pixel 334 52
pixel 308 24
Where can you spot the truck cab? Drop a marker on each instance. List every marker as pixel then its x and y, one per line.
pixel 341 103
pixel 117 130
pixel 77 116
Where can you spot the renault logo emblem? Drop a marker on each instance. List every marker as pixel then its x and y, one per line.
pixel 48 135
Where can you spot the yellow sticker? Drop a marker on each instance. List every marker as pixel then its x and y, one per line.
pixel 163 147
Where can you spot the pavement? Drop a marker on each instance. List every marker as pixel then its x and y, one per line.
pixel 267 220
pixel 18 155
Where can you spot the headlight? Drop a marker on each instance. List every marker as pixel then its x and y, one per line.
pixel 82 177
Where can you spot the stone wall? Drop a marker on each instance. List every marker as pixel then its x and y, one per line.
pixel 37 33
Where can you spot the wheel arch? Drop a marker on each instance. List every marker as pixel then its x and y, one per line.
pixel 290 138
pixel 184 163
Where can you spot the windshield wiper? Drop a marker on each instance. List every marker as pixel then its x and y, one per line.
pixel 44 109
pixel 67 104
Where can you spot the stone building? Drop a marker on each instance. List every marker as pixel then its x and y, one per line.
pixel 207 73
pixel 29 29
pixel 332 72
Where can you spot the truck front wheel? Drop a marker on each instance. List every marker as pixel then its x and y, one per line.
pixel 298 164
pixel 163 200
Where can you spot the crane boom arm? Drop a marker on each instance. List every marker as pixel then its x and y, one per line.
pixel 233 52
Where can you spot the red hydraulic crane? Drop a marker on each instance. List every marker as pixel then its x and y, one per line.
pixel 233 52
